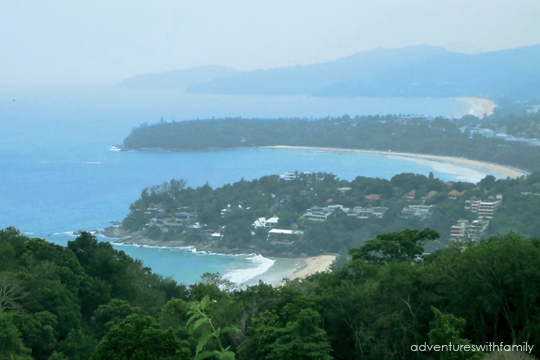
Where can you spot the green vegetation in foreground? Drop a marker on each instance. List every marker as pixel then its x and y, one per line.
pixel 90 301
pixel 178 215
pixel 459 138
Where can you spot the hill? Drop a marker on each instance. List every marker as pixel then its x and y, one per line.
pixel 307 79
pixel 179 79
pixel 411 72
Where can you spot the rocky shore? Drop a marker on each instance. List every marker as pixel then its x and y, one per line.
pixel 136 238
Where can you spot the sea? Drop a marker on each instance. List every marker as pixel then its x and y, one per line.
pixel 59 172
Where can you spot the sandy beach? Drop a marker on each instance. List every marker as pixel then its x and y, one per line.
pixel 505 171
pixel 479 107
pixel 313 265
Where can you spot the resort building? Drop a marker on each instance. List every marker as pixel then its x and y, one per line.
pixel 459 231
pixel 284 236
pixel 484 209
pixel 454 194
pixel 373 197
pixel 429 194
pixel 410 195
pixel 367 212
pixel 317 213
pixel 421 211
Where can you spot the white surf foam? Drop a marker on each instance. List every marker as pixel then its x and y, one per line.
pixel 239 276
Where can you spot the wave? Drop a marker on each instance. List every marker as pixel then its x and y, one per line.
pixel 239 276
pixel 93 162
pixel 65 233
pixel 185 248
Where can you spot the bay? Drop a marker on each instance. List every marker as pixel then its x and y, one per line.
pixel 58 174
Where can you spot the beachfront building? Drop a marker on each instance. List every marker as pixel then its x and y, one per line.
pixel 284 236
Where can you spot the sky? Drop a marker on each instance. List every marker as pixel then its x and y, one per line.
pixel 101 42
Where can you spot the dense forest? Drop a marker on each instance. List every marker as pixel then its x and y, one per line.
pixel 90 301
pixel 387 133
pixel 233 209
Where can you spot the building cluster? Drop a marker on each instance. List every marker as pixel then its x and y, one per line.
pixel 317 213
pixel 170 222
pixel 484 209
pixel 419 211
pixel 474 230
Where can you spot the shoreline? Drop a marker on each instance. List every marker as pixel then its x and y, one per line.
pixel 313 265
pixel 507 171
pixel 479 107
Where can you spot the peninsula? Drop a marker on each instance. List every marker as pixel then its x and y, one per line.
pixel 439 139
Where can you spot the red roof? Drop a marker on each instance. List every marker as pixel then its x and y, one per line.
pixel 431 193
pixel 373 197
pixel 456 193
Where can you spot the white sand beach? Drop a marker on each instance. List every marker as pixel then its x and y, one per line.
pixel 488 168
pixel 313 265
pixel 479 107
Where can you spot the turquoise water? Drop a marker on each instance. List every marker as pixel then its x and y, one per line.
pixel 57 174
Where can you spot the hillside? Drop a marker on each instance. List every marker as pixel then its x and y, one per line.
pixel 408 72
pixel 179 79
pixel 307 79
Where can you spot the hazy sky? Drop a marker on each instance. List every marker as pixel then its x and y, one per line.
pixel 104 41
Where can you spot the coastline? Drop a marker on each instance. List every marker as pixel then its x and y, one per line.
pixel 478 107
pixel 490 168
pixel 313 265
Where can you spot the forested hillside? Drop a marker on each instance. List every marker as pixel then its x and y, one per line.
pixel 90 301
pixel 414 71
pixel 408 134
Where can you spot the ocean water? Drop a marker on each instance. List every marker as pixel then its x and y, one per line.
pixel 58 174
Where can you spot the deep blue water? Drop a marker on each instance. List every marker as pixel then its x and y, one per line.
pixel 58 175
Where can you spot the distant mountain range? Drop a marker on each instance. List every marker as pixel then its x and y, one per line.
pixel 415 71
pixel 179 79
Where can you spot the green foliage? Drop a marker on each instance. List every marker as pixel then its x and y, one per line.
pixel 302 339
pixel 437 137
pixel 140 338
pixel 375 309
pixel 200 319
pixel 11 344
pixel 446 329
pixel 406 245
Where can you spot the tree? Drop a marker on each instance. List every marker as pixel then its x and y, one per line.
pixel 302 339
pixel 140 338
pixel 199 317
pixel 446 329
pixel 12 347
pixel 406 245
